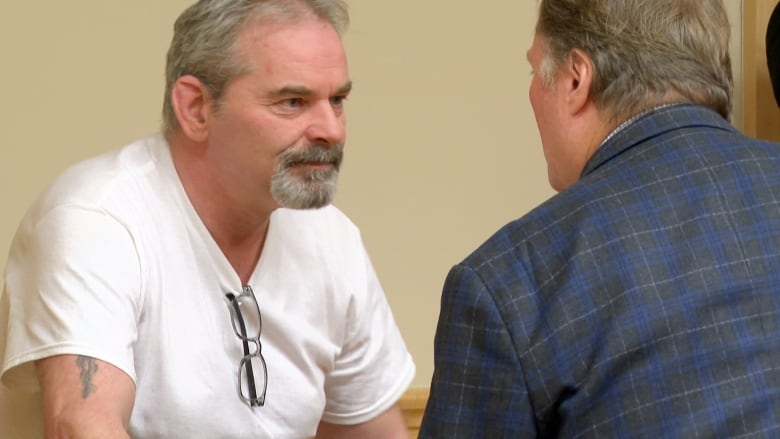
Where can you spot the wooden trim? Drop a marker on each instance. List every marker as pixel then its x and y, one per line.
pixel 749 71
pixel 761 112
pixel 413 405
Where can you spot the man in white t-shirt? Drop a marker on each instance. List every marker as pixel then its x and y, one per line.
pixel 198 283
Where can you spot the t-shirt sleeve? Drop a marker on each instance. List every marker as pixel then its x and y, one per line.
pixel 72 287
pixel 374 367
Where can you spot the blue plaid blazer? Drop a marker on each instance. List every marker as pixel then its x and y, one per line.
pixel 643 301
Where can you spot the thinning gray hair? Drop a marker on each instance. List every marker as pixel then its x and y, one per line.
pixel 645 52
pixel 204 37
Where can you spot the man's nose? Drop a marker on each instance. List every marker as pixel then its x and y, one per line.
pixel 327 124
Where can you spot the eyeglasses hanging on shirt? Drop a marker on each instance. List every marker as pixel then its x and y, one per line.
pixel 248 324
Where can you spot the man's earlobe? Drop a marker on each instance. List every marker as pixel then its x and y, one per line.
pixel 190 101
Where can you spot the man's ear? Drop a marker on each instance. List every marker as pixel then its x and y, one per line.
pixel 580 78
pixel 191 103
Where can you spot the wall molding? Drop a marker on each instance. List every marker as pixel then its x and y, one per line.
pixel 413 405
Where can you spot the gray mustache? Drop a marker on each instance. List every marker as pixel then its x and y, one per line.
pixel 313 154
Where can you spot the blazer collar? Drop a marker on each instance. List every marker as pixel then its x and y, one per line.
pixel 651 124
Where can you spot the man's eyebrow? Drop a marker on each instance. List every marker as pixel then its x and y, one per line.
pixel 345 89
pixel 299 90
pixel 292 90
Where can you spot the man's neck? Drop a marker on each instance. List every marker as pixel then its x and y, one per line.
pixel 237 225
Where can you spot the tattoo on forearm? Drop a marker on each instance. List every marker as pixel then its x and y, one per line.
pixel 88 368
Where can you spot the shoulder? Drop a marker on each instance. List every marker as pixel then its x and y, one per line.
pixel 98 182
pixel 532 235
pixel 101 196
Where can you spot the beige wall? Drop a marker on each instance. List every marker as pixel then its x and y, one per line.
pixel 442 145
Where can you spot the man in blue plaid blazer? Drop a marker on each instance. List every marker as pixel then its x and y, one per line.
pixel 643 300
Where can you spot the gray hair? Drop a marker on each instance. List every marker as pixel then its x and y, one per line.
pixel 643 51
pixel 205 33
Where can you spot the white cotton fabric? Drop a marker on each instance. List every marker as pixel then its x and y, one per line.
pixel 113 262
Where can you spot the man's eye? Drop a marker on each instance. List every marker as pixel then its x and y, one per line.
pixel 337 101
pixel 293 102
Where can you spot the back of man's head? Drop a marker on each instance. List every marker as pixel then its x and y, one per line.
pixel 645 53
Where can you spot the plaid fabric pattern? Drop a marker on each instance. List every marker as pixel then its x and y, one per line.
pixel 643 301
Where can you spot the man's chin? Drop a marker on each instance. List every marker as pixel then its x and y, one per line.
pixel 312 190
pixel 305 201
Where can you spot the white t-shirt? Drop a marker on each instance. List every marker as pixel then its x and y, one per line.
pixel 112 262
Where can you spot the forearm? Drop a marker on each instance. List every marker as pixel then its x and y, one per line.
pixel 388 425
pixel 67 425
